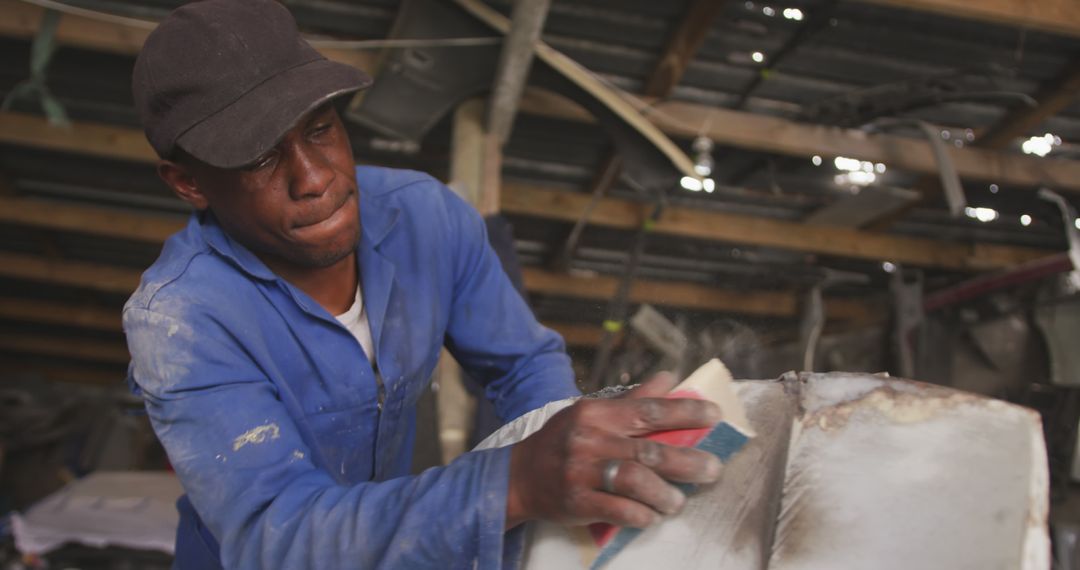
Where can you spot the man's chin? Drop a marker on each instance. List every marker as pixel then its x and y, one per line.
pixel 324 257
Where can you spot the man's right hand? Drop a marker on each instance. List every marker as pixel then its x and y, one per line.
pixel 557 473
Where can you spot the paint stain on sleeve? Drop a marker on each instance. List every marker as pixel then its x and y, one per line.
pixel 257 435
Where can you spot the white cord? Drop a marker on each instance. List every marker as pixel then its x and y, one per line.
pixel 93 14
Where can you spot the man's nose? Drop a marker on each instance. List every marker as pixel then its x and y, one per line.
pixel 311 173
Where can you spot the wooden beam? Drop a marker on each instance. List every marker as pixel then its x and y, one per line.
pixel 767 232
pixel 62 373
pixel 578 334
pixel 781 136
pixel 75 348
pixel 612 98
pixel 475 158
pixel 733 128
pixel 96 139
pixel 109 320
pixel 515 59
pixel 53 313
pixel 1052 98
pixel 22 20
pixel 1055 16
pixel 99 221
pixel 69 273
pixel 568 206
pixel 775 135
pixel 685 41
pixel 690 296
pixel 130 226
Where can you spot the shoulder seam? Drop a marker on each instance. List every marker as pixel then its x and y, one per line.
pixel 179 274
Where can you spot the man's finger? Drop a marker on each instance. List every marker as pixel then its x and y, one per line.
pixel 641 416
pixel 678 464
pixel 605 507
pixel 656 387
pixel 635 481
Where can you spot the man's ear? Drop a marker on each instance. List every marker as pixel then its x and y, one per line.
pixel 179 178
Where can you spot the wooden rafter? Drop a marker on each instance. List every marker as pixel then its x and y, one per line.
pixel 683 43
pixel 1056 16
pixel 781 136
pixel 99 318
pixel 1052 98
pixel 76 348
pixel 512 70
pixel 568 206
pixel 135 227
pixel 732 128
pixel 690 296
pixel 22 20
pixel 767 232
pixel 577 334
pixel 16 366
pixel 97 277
pixel 100 221
pixel 91 317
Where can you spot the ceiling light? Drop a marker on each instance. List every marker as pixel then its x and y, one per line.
pixel 757 56
pixel 768 11
pixel 1025 220
pixel 888 267
pixel 703 160
pixel 708 184
pixel 692 184
pixel 1041 146
pixel 816 160
pixel 880 168
pixel 793 14
pixel 856 177
pixel 982 214
pixel 848 164
pixel 994 188
pixel 1077 223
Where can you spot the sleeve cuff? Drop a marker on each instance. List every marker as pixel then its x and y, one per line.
pixel 497 549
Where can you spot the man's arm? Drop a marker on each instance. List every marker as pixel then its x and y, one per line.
pixel 555 474
pixel 251 477
pixel 491 330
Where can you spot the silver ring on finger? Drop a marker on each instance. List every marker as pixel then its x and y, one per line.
pixel 610 472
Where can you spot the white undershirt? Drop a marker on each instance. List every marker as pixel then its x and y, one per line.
pixel 356 320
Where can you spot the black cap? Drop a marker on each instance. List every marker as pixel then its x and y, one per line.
pixel 225 79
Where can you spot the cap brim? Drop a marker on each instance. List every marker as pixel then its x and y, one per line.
pixel 250 126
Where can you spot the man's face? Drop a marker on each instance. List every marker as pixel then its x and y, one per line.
pixel 296 204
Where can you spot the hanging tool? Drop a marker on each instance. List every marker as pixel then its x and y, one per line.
pixel 41 53
pixel 1072 233
pixel 617 309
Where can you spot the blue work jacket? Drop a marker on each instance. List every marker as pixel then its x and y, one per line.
pixel 268 407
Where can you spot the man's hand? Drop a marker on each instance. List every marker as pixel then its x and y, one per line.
pixel 557 473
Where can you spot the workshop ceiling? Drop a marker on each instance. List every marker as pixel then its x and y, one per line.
pixel 783 88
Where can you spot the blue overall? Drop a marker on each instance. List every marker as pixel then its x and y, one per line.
pixel 268 407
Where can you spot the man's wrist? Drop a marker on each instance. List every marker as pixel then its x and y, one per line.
pixel 515 508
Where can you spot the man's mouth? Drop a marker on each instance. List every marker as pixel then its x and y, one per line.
pixel 324 215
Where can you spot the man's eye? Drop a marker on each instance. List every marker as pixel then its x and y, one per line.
pixel 320 130
pixel 262 162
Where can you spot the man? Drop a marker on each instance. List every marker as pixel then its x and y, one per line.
pixel 283 337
